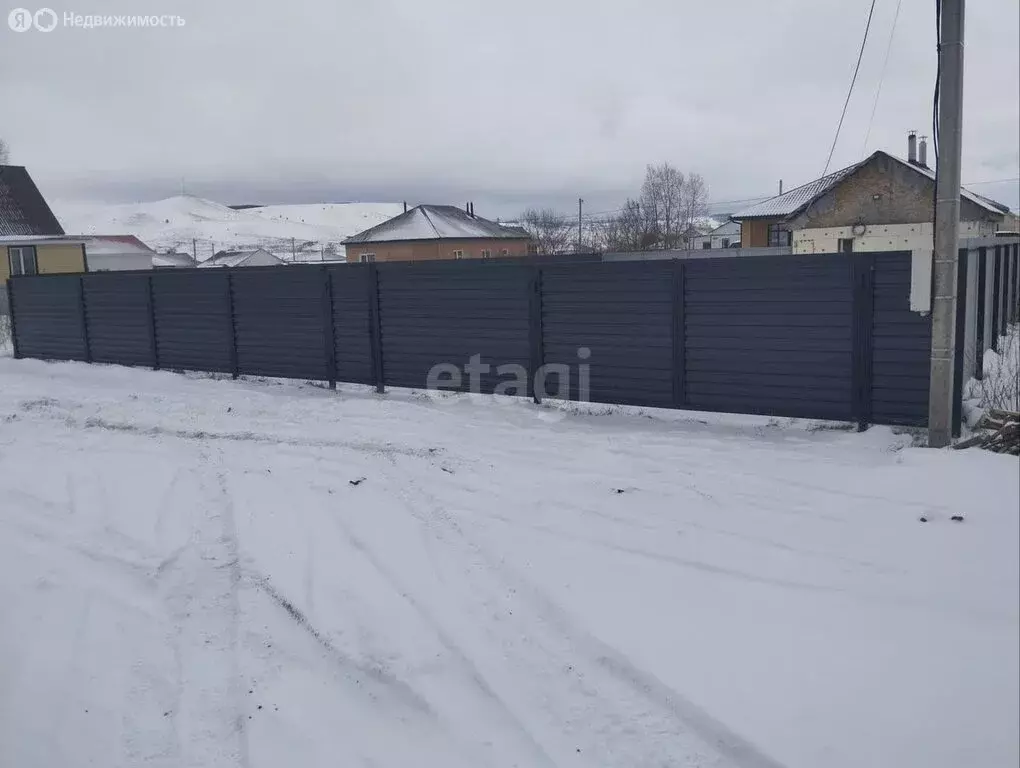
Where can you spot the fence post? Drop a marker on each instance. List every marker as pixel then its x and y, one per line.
pixel 679 334
pixel 151 306
pixel 1003 282
pixel 10 314
pixel 84 320
pixel 375 328
pixel 862 276
pixel 979 341
pixel 329 337
pixel 234 370
pixel 535 331
pixel 993 342
pixel 961 323
pixel 1014 270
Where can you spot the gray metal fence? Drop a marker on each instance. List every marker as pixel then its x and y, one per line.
pixel 829 336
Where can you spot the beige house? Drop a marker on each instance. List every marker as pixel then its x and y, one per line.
pixel 883 203
pixel 436 232
pixel 31 239
pixel 41 256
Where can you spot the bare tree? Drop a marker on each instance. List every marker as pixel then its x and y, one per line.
pixel 552 232
pixel 633 229
pixel 693 202
pixel 662 203
pixel 5 152
pixel 667 212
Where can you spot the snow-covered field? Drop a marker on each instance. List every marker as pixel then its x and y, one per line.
pixel 177 222
pixel 199 572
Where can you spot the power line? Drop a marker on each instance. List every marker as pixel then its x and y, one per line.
pixel 850 91
pixel 881 77
pixel 990 181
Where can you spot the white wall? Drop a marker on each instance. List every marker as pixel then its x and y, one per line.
pixel 107 261
pixel 881 237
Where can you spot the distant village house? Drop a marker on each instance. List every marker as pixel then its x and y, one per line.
pixel 31 239
pixel 880 204
pixel 250 258
pixel 435 232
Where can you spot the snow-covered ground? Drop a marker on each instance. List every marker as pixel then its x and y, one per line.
pixel 186 222
pixel 199 572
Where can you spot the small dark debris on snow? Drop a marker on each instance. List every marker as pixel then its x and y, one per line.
pixel 923 519
pixel 619 490
pixel 446 470
pixel 260 706
pixel 957 518
pixel 229 408
pixel 359 481
pixel 166 714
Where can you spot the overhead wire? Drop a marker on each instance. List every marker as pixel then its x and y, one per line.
pixel 850 90
pixel 881 77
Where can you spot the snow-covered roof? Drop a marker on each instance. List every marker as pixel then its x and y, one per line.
pixel 794 201
pixel 728 228
pixel 435 222
pixel 40 239
pixel 237 258
pixel 102 245
pixel 791 202
pixel 172 260
pixel 23 209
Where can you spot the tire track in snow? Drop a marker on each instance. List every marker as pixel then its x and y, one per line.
pixel 627 713
pixel 456 651
pixel 200 589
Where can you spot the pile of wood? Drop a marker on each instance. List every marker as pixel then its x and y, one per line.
pixel 998 431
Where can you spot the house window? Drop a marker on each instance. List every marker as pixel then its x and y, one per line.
pixel 23 260
pixel 486 253
pixel 458 254
pixel 725 242
pixel 845 245
pixel 778 235
pixel 532 249
pixel 706 244
pixel 505 252
pixel 366 258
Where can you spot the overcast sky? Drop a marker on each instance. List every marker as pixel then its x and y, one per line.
pixel 530 101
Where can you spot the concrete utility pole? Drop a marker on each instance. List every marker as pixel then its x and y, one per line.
pixel 947 225
pixel 580 202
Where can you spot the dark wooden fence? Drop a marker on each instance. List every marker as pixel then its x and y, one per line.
pixel 829 337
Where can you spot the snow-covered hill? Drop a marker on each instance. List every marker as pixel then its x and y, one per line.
pixel 187 223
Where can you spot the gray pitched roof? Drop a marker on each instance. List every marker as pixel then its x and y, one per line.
pixel 728 228
pixel 23 210
pixel 235 258
pixel 793 201
pixel 435 222
pixel 796 200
